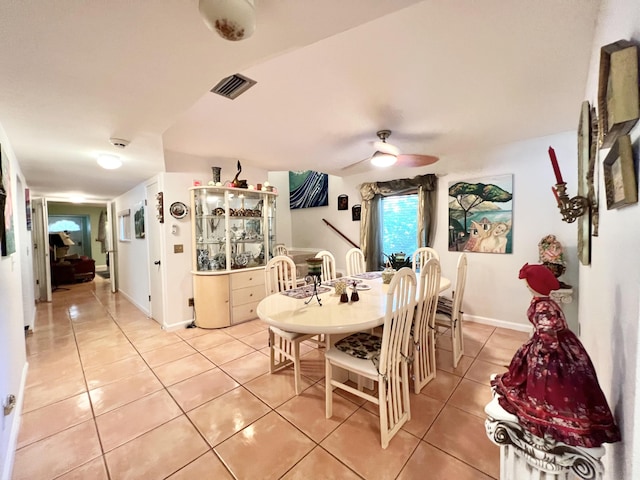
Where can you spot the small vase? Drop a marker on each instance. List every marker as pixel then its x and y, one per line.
pixel 215 171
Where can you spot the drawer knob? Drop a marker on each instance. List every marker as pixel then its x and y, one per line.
pixel 251 294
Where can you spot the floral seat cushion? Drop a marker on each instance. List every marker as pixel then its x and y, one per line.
pixel 445 306
pixel 361 345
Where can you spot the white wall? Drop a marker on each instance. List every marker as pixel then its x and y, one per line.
pixel 132 256
pixel 16 309
pixel 610 286
pixel 494 294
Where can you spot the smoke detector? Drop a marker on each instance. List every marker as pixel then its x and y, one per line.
pixel 119 142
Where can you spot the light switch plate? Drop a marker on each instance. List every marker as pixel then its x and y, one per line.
pixel 178 248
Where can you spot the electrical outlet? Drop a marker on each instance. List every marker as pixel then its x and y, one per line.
pixel 190 302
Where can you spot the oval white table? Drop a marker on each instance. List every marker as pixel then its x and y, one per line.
pixel 332 317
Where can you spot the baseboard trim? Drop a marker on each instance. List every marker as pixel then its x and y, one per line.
pixel 520 327
pixel 15 427
pixel 146 311
pixel 172 327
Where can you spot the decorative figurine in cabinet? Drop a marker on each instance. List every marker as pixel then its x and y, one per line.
pixel 233 231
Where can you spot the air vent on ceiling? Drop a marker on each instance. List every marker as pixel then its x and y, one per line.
pixel 231 87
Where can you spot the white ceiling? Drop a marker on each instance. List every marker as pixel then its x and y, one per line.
pixel 446 76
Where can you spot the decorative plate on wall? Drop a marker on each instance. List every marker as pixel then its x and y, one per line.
pixel 178 210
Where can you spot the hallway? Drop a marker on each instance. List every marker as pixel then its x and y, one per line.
pixel 112 396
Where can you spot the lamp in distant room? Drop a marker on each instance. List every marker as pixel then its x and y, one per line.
pixel 109 162
pixel 232 19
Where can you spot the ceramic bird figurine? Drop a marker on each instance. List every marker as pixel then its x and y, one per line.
pixel 239 183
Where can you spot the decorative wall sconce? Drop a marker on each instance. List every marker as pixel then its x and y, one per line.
pixel 570 208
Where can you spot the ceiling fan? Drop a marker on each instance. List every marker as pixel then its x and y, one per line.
pixel 386 154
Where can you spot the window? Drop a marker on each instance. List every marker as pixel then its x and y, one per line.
pixel 400 224
pixel 124 224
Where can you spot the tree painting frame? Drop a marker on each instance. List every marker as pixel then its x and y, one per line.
pixel 481 215
pixel 7 235
pixel 138 220
pixel 308 189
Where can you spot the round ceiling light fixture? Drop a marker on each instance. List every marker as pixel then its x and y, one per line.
pixel 232 19
pixel 380 159
pixel 109 161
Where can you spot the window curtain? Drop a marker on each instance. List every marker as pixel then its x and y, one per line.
pixel 370 232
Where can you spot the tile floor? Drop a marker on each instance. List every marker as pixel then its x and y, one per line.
pixel 110 395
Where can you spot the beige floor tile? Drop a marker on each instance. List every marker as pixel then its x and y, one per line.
pixel 440 466
pixel 183 368
pixel 444 361
pixel 116 394
pixel 44 394
pixel 133 419
pixel 508 339
pixel 276 388
pixel 227 352
pixel 442 386
pixel 463 436
pixel 257 340
pixel 481 371
pixel 356 443
pixel 158 453
pixel 206 467
pixel 320 465
pixel 211 339
pixel 202 388
pixel 275 446
pixel 156 341
pixel 106 355
pixel 307 412
pixel 472 348
pixel 101 375
pixel 94 470
pixel 312 364
pixel 496 355
pixel 424 411
pixel 54 418
pixel 226 415
pixel 471 397
pixel 246 328
pixel 247 368
pixel 168 353
pixel 477 331
pixel 57 454
pixel 186 333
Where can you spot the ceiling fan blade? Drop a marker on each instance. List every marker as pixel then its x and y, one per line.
pixel 415 160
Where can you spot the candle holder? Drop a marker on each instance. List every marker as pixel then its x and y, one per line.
pixel 570 208
pixel 315 281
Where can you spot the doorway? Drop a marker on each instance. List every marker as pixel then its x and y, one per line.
pixel 78 227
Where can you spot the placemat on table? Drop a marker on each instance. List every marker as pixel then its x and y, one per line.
pixel 368 275
pixel 347 280
pixel 304 292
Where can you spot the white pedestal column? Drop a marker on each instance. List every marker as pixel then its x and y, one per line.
pixel 524 456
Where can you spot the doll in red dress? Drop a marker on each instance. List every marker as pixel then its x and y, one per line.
pixel 551 385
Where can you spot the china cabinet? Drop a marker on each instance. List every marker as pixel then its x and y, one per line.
pixel 233 233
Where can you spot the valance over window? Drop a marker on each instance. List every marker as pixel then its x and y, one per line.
pixel 370 233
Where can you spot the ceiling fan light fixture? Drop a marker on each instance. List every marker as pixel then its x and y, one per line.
pixel 380 159
pixel 109 162
pixel 233 20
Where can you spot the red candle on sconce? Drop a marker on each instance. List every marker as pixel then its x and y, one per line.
pixel 554 164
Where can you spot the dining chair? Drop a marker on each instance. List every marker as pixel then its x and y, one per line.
pixel 355 262
pixel 421 255
pixel 380 359
pixel 423 338
pixel 328 265
pixel 280 249
pixel 449 311
pixel 284 347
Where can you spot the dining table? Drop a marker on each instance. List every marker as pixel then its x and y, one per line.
pixel 292 311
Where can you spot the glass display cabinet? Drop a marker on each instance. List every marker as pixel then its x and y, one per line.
pixel 233 232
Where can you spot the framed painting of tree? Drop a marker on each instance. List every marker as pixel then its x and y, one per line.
pixel 480 215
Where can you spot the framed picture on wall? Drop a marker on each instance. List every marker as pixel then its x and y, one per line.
pixel 138 221
pixel 355 212
pixel 343 202
pixel 620 180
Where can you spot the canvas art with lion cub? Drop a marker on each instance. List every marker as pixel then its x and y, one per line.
pixel 480 215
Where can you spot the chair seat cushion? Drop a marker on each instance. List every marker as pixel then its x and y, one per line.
pixel 361 345
pixel 290 335
pixel 445 306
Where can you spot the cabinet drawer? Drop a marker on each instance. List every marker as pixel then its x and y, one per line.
pixel 247 295
pixel 245 312
pixel 251 278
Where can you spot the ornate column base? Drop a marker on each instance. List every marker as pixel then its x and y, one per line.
pixel 525 456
